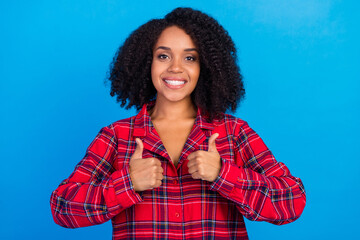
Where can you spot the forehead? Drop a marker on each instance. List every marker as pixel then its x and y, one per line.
pixel 175 37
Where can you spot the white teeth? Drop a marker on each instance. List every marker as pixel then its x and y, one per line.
pixel 174 82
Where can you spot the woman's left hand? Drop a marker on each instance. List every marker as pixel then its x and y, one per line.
pixel 205 165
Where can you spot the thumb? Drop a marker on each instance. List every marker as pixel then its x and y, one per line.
pixel 139 149
pixel 212 145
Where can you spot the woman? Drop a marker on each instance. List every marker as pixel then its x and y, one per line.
pixel 181 168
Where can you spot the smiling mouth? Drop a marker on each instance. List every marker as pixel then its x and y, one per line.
pixel 175 82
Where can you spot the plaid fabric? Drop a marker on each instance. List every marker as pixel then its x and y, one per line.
pixel 251 184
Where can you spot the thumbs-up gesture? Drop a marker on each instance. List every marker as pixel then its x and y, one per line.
pixel 145 173
pixel 205 165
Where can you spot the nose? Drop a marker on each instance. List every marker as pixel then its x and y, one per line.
pixel 175 66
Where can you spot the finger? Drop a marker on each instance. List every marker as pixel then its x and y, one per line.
pixel 159 176
pixel 189 163
pixel 191 156
pixel 192 162
pixel 157 162
pixel 159 170
pixel 193 169
pixel 196 175
pixel 194 155
pixel 152 162
pixel 139 149
pixel 158 183
pixel 212 144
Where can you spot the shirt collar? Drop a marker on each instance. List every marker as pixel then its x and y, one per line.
pixel 143 124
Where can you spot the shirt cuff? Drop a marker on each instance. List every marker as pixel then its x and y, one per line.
pixel 124 191
pixel 227 178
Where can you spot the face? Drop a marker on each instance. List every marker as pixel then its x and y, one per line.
pixel 175 67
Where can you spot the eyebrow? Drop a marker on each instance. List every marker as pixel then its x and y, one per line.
pixel 186 49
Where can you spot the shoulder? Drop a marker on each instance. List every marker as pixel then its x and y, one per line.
pixel 123 123
pixel 120 129
pixel 233 125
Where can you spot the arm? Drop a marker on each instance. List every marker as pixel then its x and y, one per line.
pixel 263 189
pixel 95 192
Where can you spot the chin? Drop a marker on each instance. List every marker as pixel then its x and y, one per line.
pixel 174 98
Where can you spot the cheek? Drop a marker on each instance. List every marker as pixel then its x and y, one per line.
pixel 195 72
pixel 156 69
pixel 153 67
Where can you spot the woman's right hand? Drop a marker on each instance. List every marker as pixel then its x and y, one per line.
pixel 145 173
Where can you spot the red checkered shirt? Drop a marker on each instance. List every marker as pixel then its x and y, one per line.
pixel 251 183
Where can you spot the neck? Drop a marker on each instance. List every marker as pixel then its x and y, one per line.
pixel 165 110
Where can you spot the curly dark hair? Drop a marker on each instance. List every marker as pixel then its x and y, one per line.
pixel 220 86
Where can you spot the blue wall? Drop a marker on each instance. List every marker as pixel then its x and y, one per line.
pixel 301 65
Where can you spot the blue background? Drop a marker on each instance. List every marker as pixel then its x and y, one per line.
pixel 301 65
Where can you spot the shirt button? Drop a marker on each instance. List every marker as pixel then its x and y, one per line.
pixel 177 215
pixel 175 182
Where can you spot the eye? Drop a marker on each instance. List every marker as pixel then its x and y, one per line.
pixel 162 56
pixel 190 58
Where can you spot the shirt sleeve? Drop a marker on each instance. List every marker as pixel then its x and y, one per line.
pixel 262 188
pixel 95 192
